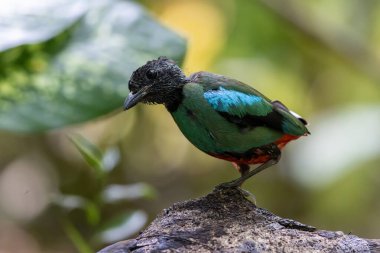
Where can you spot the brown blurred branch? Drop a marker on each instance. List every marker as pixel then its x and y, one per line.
pixel 339 41
pixel 225 221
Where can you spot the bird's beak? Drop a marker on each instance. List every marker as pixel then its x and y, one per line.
pixel 134 98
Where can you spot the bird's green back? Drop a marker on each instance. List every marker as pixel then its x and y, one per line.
pixel 206 101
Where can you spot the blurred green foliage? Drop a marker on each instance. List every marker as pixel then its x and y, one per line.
pixel 59 80
pixel 321 58
pixel 103 229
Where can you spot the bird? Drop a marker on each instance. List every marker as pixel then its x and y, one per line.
pixel 221 116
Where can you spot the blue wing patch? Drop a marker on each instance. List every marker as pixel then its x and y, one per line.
pixel 236 102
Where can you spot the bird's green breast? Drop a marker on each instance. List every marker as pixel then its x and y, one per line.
pixel 209 131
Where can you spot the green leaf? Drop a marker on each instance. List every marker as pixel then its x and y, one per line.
pixel 88 76
pixel 89 151
pixel 111 158
pixel 70 202
pixel 92 213
pixel 116 193
pixel 76 238
pixel 122 226
pixel 30 22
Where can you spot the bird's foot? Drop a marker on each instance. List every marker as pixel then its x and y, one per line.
pixel 245 193
pixel 232 184
pixel 228 185
pixel 248 195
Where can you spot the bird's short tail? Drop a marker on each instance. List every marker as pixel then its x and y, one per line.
pixel 295 125
pixel 299 118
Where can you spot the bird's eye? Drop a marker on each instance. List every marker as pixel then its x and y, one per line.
pixel 151 74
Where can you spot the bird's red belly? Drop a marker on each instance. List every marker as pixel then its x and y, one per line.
pixel 285 139
pixel 253 160
pixel 258 156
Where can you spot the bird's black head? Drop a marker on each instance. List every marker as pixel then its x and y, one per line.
pixel 158 82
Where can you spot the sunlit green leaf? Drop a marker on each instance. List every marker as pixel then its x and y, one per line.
pixel 29 22
pixel 76 238
pixel 115 193
pixel 89 151
pixel 89 76
pixel 92 213
pixel 69 202
pixel 122 226
pixel 111 158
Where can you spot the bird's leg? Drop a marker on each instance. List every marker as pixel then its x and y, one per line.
pixel 243 169
pixel 238 182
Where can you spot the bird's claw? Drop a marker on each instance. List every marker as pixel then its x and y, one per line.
pixel 247 195
pixel 234 185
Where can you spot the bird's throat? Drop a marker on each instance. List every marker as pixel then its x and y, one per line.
pixel 173 100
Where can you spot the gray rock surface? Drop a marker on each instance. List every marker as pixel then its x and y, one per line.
pixel 225 221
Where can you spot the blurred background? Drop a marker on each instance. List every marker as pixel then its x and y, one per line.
pixel 77 173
